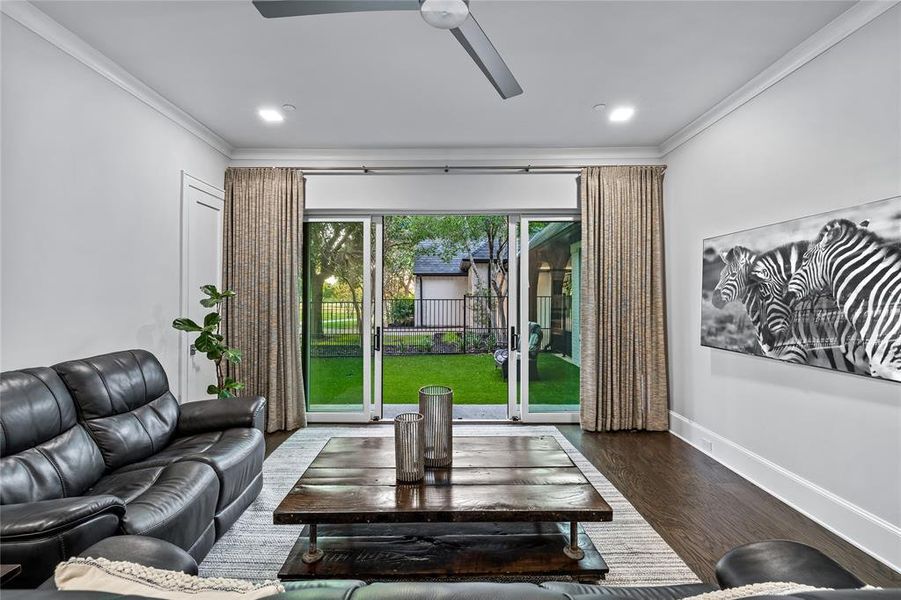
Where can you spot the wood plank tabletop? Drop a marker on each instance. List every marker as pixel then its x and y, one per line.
pixel 492 479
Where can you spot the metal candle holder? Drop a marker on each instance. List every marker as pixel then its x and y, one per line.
pixel 409 444
pixel 436 403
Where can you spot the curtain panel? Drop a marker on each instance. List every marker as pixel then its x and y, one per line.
pixel 624 380
pixel 263 228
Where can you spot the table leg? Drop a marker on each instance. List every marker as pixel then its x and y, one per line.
pixel 572 550
pixel 313 553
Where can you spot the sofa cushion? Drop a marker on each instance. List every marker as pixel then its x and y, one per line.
pixel 175 503
pixel 782 560
pixel 645 592
pixel 148 551
pixel 45 453
pixel 123 399
pixel 235 454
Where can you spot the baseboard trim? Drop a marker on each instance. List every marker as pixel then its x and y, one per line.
pixel 868 532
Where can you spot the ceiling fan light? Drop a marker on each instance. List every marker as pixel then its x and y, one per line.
pixel 444 14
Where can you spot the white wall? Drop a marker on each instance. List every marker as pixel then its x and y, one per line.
pixel 826 137
pixel 453 192
pixel 435 287
pixel 90 211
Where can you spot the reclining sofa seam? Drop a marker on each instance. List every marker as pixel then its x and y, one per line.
pixel 183 508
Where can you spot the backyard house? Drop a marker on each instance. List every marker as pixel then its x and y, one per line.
pixel 443 282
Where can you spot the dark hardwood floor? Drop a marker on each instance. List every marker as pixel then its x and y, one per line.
pixel 699 507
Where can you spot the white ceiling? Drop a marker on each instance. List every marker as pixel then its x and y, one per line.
pixel 388 80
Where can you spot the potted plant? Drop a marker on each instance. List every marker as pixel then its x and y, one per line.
pixel 212 343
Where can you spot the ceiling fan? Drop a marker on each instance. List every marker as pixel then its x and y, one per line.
pixel 443 14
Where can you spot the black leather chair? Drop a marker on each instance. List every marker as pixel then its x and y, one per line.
pixel 99 446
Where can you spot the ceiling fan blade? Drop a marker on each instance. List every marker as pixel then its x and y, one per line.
pixel 273 9
pixel 483 52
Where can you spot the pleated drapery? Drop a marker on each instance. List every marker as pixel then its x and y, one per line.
pixel 262 264
pixel 624 383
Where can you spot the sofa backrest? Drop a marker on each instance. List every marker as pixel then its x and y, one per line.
pixel 123 400
pixel 44 453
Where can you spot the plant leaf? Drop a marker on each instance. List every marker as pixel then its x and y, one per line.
pixel 204 342
pixel 232 355
pixel 210 290
pixel 211 320
pixel 185 324
pixel 209 302
pixel 212 389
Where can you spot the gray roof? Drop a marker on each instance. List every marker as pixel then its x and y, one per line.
pixel 429 259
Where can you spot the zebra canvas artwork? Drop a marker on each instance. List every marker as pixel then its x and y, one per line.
pixel 823 290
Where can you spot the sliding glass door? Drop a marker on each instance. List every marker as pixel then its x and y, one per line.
pixel 549 343
pixel 394 303
pixel 337 319
pixel 446 313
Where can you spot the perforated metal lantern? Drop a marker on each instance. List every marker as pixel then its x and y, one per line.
pixel 409 447
pixel 436 404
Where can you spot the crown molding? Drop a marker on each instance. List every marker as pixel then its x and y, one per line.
pixel 831 34
pixel 32 18
pixel 834 32
pixel 348 157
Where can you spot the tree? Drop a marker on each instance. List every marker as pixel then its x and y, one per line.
pixel 335 250
pixel 465 234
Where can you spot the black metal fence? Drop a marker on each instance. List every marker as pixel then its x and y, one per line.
pixel 472 324
pixel 468 325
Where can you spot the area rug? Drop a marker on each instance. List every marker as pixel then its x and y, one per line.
pixel 255 549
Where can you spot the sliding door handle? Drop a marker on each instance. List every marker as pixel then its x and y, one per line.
pixel 514 339
pixel 377 339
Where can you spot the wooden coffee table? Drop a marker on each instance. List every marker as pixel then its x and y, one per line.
pixel 509 506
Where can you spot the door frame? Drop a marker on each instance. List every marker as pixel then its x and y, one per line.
pixel 217 201
pixel 513 300
pixel 526 416
pixel 366 413
pixel 378 307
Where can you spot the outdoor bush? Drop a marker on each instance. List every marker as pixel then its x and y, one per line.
pixel 401 311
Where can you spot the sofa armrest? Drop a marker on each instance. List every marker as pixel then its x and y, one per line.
pixel 222 413
pixel 782 560
pixel 48 517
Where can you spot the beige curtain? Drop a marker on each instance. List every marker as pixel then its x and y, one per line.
pixel 623 331
pixel 263 245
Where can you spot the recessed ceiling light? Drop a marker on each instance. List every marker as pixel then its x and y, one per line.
pixel 270 115
pixel 621 113
pixel 599 107
pixel 288 107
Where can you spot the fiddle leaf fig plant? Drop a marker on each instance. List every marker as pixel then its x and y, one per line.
pixel 211 342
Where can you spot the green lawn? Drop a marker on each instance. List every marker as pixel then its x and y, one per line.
pixel 473 377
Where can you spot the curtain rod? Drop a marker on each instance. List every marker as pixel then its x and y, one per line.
pixel 447 169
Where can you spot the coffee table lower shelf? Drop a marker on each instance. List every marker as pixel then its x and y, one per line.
pixel 426 550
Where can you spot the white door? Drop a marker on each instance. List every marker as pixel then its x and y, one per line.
pixel 549 341
pixel 201 264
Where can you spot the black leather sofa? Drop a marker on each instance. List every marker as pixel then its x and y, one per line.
pixel 99 447
pixel 774 560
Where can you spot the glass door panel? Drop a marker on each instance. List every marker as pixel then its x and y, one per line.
pixel 337 319
pixel 549 318
pixel 445 316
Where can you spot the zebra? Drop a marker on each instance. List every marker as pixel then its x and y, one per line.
pixel 735 285
pixel 816 324
pixel 863 273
